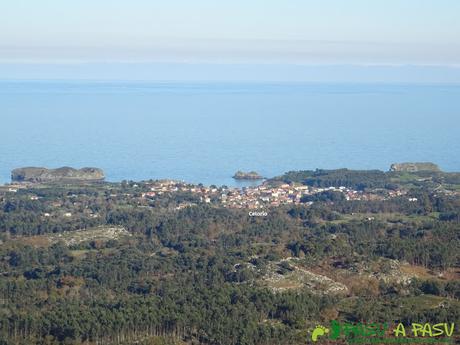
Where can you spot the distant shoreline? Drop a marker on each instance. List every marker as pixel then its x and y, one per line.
pixel 240 179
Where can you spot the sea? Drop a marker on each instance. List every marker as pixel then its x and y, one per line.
pixel 205 132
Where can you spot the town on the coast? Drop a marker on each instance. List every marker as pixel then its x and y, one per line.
pixel 268 193
pixel 255 197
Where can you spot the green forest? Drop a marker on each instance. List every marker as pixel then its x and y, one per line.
pixel 99 263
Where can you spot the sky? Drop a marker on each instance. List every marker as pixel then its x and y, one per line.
pixel 43 34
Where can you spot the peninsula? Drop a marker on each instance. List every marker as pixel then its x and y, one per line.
pixel 39 175
pixel 414 167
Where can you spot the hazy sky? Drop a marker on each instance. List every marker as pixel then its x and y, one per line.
pixel 272 31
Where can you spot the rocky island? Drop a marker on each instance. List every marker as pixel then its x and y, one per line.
pixel 252 175
pixel 414 167
pixel 64 174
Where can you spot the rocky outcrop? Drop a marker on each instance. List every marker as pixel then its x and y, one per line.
pixel 414 167
pixel 252 175
pixel 64 174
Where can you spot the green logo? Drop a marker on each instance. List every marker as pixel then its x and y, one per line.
pixel 318 332
pixel 382 333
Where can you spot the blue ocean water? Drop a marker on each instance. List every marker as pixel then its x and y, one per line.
pixel 204 132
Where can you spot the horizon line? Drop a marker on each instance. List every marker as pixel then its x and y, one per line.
pixel 66 62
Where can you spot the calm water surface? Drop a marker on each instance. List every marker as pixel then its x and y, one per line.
pixel 205 132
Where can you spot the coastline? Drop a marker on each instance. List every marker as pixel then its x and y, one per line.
pixel 220 179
